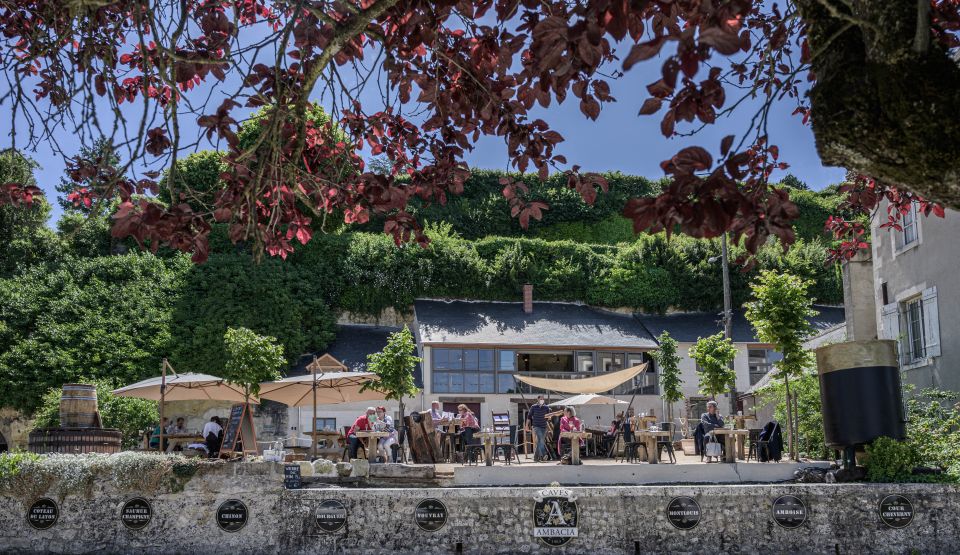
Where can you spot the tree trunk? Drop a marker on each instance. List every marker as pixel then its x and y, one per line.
pixel 790 433
pixel 796 428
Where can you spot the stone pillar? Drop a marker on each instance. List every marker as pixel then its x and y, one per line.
pixel 859 297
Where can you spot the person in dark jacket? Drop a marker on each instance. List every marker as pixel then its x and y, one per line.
pixel 774 437
pixel 709 421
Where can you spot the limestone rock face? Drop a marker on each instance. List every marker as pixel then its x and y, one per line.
pixel 324 467
pixel 344 469
pixel 361 467
pixel 306 469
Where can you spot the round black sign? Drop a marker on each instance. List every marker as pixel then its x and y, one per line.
pixel 430 515
pixel 789 511
pixel 555 520
pixel 683 512
pixel 231 515
pixel 896 511
pixel 331 516
pixel 136 513
pixel 43 514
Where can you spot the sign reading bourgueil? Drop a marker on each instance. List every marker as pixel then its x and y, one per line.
pixel 555 516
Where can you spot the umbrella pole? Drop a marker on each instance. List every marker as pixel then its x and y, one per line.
pixel 523 427
pixel 313 425
pixel 163 392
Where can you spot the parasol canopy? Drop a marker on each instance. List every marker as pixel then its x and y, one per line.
pixel 185 387
pixel 588 399
pixel 594 384
pixel 331 388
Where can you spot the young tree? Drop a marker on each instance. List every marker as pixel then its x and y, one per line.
pixel 713 356
pixel 780 312
pixel 251 359
pixel 395 365
pixel 669 362
pixel 466 69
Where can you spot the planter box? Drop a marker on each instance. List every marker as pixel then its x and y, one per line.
pixel 689 446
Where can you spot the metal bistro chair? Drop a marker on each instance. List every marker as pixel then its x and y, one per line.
pixel 666 443
pixel 345 456
pixel 756 445
pixel 631 447
pixel 507 446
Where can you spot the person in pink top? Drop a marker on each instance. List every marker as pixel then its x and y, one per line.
pixel 568 423
pixel 468 424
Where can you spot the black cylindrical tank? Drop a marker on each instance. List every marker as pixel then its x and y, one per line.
pixel 860 392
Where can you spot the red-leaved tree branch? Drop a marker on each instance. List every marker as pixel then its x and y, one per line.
pixel 419 82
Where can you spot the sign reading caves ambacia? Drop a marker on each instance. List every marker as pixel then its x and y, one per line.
pixel 555 516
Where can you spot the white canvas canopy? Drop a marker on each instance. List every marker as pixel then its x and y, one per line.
pixel 595 384
pixel 588 399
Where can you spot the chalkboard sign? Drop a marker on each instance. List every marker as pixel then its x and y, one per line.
pixel 136 513
pixel 331 516
pixel 683 512
pixel 291 476
pixel 43 514
pixel 896 511
pixel 789 511
pixel 231 515
pixel 239 433
pixel 430 515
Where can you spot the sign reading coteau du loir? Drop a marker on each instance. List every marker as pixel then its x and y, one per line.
pixel 555 516
pixel 43 514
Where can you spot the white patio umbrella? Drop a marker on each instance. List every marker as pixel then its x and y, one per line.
pixel 328 388
pixel 188 386
pixel 588 399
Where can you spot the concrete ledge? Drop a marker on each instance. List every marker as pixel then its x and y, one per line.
pixel 535 474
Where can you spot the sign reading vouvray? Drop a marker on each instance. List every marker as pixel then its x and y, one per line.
pixel 43 514
pixel 683 512
pixel 789 511
pixel 136 513
pixel 896 511
pixel 555 516
pixel 331 516
pixel 231 515
pixel 430 515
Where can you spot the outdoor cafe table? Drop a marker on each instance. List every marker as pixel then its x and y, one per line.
pixel 372 438
pixel 575 438
pixel 172 440
pixel 450 435
pixel 649 438
pixel 729 437
pixel 331 438
pixel 488 438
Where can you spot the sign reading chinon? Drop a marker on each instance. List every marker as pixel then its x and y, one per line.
pixel 555 516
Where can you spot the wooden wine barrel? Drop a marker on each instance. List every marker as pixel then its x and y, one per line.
pixel 78 406
pixel 75 440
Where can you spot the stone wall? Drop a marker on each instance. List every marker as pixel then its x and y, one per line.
pixel 736 519
pixel 15 428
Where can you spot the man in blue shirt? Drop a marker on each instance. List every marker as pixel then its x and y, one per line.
pixel 537 416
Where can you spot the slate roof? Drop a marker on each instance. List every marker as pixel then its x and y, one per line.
pixel 689 326
pixel 504 323
pixel 351 347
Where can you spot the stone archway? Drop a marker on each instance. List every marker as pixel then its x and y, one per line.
pixel 3 444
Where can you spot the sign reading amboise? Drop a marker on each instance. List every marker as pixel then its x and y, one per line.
pixel 555 516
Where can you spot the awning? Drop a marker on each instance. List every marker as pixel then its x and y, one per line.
pixel 596 384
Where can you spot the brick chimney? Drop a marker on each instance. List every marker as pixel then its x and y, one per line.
pixel 528 298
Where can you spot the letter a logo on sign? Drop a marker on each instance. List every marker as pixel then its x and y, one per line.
pixel 555 516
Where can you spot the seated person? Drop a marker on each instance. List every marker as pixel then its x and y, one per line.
pixel 363 423
pixel 384 444
pixel 611 434
pixel 468 424
pixel 437 414
pixel 213 436
pixel 155 436
pixel 568 423
pixel 710 421
pixel 178 428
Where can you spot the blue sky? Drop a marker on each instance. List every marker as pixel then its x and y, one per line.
pixel 619 140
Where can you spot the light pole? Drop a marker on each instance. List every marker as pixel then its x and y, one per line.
pixel 727 307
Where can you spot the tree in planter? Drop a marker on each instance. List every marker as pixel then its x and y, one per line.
pixel 713 356
pixel 669 362
pixel 394 365
pixel 251 359
pixel 780 314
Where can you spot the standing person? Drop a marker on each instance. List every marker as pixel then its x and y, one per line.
pixel 537 417
pixel 385 444
pixel 468 424
pixel 362 424
pixel 213 436
pixel 568 423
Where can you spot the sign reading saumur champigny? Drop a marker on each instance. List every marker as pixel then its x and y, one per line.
pixel 555 516
pixel 136 513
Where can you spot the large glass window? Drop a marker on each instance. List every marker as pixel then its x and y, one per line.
pixel 585 361
pixel 912 342
pixel 760 362
pixel 610 362
pixel 461 370
pixel 647 383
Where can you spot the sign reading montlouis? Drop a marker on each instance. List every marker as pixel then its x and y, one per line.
pixel 430 515
pixel 331 516
pixel 555 516
pixel 683 512
pixel 896 511
pixel 136 513
pixel 789 511
pixel 43 514
pixel 231 515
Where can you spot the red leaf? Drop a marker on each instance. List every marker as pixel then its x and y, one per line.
pixel 642 51
pixel 651 106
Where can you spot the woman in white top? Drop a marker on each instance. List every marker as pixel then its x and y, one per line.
pixel 385 424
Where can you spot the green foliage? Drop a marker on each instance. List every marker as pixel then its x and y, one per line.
pixel 99 318
pixel 101 150
pixel 11 464
pixel 197 178
pixel 282 300
pixel 127 414
pixel 933 428
pixel 805 388
pixel 251 359
pixel 395 365
pixel 890 460
pixel 713 356
pixel 25 239
pixel 610 230
pixel 779 313
pixel 668 362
